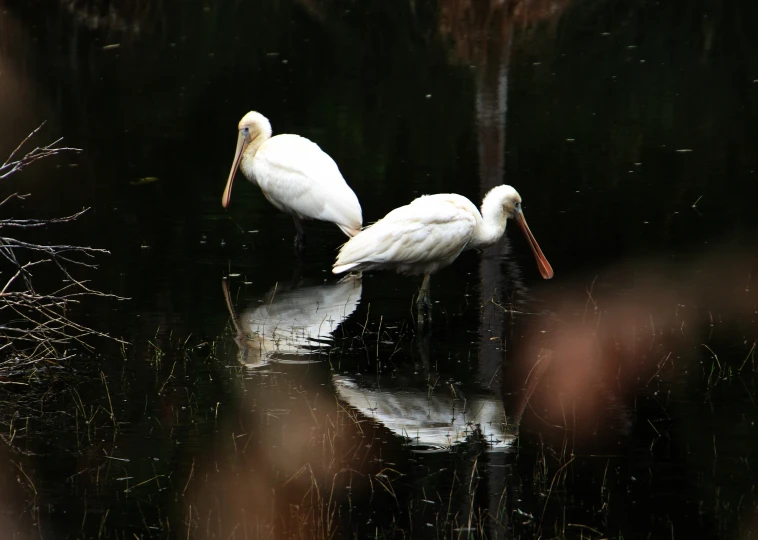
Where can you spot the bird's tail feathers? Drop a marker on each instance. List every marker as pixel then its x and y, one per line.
pixel 350 231
pixel 343 268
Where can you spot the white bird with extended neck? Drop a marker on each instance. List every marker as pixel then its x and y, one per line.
pixel 430 233
pixel 295 175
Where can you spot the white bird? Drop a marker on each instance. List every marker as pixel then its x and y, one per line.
pixel 295 175
pixel 430 233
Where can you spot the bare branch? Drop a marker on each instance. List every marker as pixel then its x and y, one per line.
pixel 13 196
pixel 35 330
pixel 10 167
pixel 24 142
pixel 38 222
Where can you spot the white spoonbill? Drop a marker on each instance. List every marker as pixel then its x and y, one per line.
pixel 430 233
pixel 295 175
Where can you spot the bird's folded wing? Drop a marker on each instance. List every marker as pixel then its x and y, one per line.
pixel 297 176
pixel 412 234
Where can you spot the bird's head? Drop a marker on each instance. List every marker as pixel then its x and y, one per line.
pixel 511 204
pixel 254 125
pixel 511 201
pixel 254 129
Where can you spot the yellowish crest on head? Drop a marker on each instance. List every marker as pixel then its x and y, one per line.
pixel 256 124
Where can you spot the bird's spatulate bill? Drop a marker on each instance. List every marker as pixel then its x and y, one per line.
pixel 545 269
pixel 241 143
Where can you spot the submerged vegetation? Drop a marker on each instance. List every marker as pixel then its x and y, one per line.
pixel 43 348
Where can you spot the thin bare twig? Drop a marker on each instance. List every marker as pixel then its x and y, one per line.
pixel 36 330
pixel 10 167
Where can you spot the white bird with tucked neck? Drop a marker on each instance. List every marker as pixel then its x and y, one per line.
pixel 430 233
pixel 295 175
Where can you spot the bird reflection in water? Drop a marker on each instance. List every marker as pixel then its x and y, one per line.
pixel 435 414
pixel 292 325
pixel 431 420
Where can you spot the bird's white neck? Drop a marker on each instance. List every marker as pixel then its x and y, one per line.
pixel 250 150
pixel 492 225
pixel 258 140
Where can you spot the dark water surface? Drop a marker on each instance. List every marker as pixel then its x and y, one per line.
pixel 259 397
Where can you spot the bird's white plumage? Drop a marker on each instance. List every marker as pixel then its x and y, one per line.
pixel 430 233
pixel 418 238
pixel 295 175
pixel 299 178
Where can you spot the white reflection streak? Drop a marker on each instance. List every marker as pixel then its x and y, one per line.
pixel 291 325
pixel 436 421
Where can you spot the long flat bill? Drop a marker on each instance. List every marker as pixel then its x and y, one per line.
pixel 545 269
pixel 227 196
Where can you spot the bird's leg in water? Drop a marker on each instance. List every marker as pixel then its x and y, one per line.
pixel 299 236
pixel 424 303
pixel 297 270
pixel 422 343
